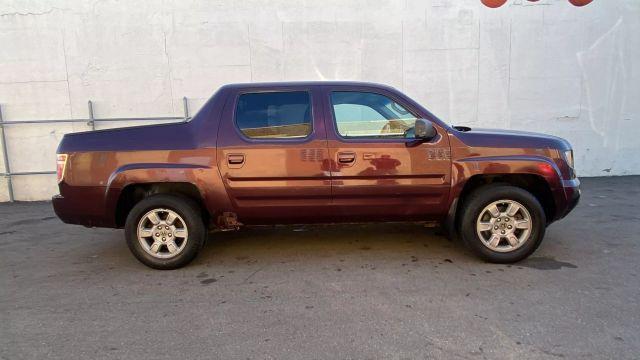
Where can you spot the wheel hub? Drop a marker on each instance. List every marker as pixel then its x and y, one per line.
pixel 502 225
pixel 163 232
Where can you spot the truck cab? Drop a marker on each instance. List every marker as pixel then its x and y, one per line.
pixel 313 152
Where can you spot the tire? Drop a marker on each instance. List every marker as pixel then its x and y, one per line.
pixel 478 215
pixel 177 231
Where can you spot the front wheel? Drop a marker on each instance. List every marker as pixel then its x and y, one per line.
pixel 165 231
pixel 502 223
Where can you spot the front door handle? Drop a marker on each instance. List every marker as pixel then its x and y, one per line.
pixel 346 157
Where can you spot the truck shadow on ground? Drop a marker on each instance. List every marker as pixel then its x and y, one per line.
pixel 411 242
pixel 317 242
pixel 369 245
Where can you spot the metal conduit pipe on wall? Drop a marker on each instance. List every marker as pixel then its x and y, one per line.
pixel 90 122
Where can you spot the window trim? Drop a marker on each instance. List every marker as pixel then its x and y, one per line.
pixel 273 140
pixel 365 137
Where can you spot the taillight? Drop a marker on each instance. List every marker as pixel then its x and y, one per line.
pixel 61 162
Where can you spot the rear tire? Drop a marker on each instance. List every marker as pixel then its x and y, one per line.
pixel 165 231
pixel 502 223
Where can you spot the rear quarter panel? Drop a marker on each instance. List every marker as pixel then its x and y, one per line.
pixel 94 180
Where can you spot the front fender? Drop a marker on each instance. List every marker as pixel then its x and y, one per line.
pixel 466 168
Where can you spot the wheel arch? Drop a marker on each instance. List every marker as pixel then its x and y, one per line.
pixel 533 183
pixel 133 193
pixel 130 183
pixel 536 184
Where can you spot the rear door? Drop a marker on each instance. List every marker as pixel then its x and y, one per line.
pixel 272 155
pixel 376 173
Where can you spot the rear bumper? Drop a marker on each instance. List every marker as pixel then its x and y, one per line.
pixel 80 211
pixel 61 211
pixel 571 191
pixel 68 213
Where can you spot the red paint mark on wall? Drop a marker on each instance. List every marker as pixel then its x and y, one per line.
pixel 493 3
pixel 497 3
pixel 580 2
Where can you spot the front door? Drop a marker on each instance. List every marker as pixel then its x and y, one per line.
pixel 376 173
pixel 272 155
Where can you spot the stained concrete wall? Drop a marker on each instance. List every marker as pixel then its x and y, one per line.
pixel 543 66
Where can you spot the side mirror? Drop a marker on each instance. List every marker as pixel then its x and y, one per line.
pixel 421 132
pixel 424 130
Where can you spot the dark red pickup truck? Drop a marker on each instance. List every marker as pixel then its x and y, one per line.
pixel 313 152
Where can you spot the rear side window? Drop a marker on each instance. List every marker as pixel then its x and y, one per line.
pixel 274 115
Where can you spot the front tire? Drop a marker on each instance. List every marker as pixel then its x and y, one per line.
pixel 165 231
pixel 502 223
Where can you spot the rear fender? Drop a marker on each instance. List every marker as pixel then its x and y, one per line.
pixel 205 179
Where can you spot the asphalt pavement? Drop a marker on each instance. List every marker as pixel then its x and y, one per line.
pixel 376 291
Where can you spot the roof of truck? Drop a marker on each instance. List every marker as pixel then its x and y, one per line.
pixel 307 84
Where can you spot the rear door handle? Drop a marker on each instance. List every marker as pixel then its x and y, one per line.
pixel 346 157
pixel 235 159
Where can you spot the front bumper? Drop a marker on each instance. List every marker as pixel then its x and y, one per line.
pixel 572 194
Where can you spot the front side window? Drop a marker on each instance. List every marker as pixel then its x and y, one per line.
pixel 274 115
pixel 364 114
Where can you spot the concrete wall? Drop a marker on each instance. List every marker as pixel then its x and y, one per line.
pixel 544 66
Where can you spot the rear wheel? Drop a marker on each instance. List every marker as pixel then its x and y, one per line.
pixel 502 223
pixel 165 231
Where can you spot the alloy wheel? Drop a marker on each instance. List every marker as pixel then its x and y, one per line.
pixel 504 225
pixel 162 233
